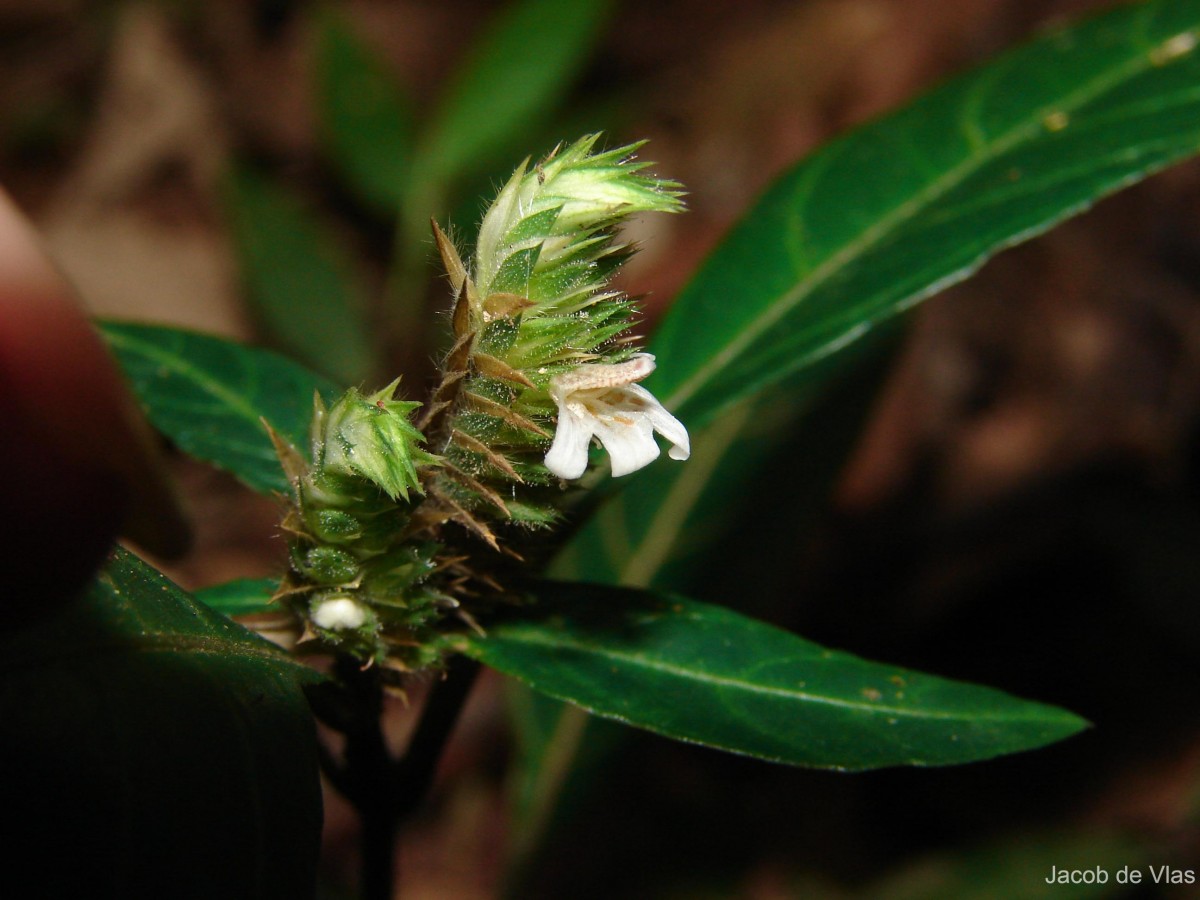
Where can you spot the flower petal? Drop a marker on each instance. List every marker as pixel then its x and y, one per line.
pixel 664 423
pixel 603 400
pixel 629 440
pixel 568 455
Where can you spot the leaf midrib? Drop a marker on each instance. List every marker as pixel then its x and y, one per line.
pixel 153 352
pixel 721 681
pixel 899 216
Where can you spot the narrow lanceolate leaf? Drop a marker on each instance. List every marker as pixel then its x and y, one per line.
pixel 665 531
pixel 300 281
pixel 153 736
pixel 210 395
pixel 366 119
pixel 882 218
pixel 512 78
pixel 702 673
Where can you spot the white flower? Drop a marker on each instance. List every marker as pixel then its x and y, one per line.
pixel 338 614
pixel 602 401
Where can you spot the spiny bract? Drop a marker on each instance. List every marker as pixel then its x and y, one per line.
pixel 374 569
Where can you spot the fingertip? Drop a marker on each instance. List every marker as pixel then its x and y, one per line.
pixel 73 428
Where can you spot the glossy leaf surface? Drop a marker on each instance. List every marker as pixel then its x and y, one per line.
pixel 704 674
pixel 168 748
pixel 893 212
pixel 209 395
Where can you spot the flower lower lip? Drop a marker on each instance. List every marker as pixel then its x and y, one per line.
pixel 603 401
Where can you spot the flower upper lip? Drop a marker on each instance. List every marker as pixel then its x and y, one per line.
pixel 603 401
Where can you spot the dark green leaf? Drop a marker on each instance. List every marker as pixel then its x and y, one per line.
pixel 300 281
pixel 367 120
pixel 702 673
pixel 165 749
pixel 884 217
pixel 209 395
pixel 513 77
pixel 637 533
pixel 668 528
pixel 240 597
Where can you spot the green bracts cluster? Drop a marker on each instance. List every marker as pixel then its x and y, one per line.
pixel 374 567
pixel 358 578
pixel 535 302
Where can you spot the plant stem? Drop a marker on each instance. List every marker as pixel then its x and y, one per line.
pixel 385 790
pixel 446 700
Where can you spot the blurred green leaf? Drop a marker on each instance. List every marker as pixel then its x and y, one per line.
pixel 209 395
pixel 888 215
pixel 240 597
pixel 546 746
pixel 367 120
pixel 167 750
pixel 781 450
pixel 301 281
pixel 704 674
pixel 512 78
pixel 674 511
